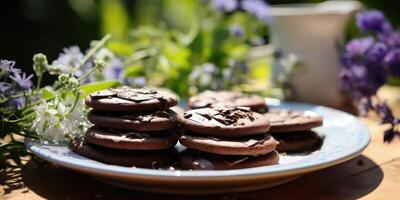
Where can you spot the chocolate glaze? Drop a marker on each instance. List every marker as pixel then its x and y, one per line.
pixel 131 94
pixel 224 116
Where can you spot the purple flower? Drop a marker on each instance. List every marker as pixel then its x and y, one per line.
pixel 372 21
pixel 385 112
pixel 236 31
pixel 391 38
pixel 16 103
pixel 258 8
pixel 355 51
pixel 69 59
pixel 114 70
pixel 392 60
pixel 376 53
pixel 362 80
pixel 7 67
pixel 358 47
pixel 225 5
pixel 5 88
pixel 24 82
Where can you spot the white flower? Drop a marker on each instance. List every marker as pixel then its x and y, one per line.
pixel 67 61
pixel 44 116
pixel 78 113
pixel 55 122
pixel 54 133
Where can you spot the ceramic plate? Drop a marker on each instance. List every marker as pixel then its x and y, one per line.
pixel 344 138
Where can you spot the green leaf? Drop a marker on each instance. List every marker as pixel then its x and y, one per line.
pixel 134 70
pixel 47 94
pixel 100 85
pixel 120 48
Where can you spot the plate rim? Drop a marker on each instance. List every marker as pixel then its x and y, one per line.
pixel 213 175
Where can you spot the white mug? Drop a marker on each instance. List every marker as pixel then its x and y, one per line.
pixel 312 32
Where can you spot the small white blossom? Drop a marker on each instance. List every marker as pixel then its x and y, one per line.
pixel 54 133
pixel 44 116
pixel 56 121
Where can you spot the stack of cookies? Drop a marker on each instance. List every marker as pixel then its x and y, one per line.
pixel 292 130
pixel 226 138
pixel 230 99
pixel 132 127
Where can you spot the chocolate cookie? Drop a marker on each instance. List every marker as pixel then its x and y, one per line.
pixel 227 99
pixel 125 99
pixel 297 141
pixel 228 122
pixel 251 146
pixel 131 140
pixel 178 110
pixel 145 159
pixel 154 121
pixel 195 160
pixel 290 121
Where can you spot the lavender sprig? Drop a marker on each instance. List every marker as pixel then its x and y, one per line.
pixel 15 86
pixel 368 63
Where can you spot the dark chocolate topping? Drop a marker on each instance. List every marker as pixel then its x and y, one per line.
pixel 131 94
pixel 222 115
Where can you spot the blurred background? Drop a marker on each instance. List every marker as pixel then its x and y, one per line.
pixel 46 26
pixel 32 26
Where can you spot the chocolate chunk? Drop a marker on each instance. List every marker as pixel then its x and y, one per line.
pixel 219 122
pixel 130 99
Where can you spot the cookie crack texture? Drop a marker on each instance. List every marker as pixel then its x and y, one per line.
pixel 224 116
pixel 131 94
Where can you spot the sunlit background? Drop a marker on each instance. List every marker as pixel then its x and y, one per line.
pixel 47 26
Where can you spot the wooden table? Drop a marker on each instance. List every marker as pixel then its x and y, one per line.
pixel 373 175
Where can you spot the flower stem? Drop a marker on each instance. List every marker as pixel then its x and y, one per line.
pixel 93 50
pixel 80 79
pixel 140 55
pixel 75 102
pixel 39 82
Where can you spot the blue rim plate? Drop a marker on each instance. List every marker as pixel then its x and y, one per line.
pixel 344 138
